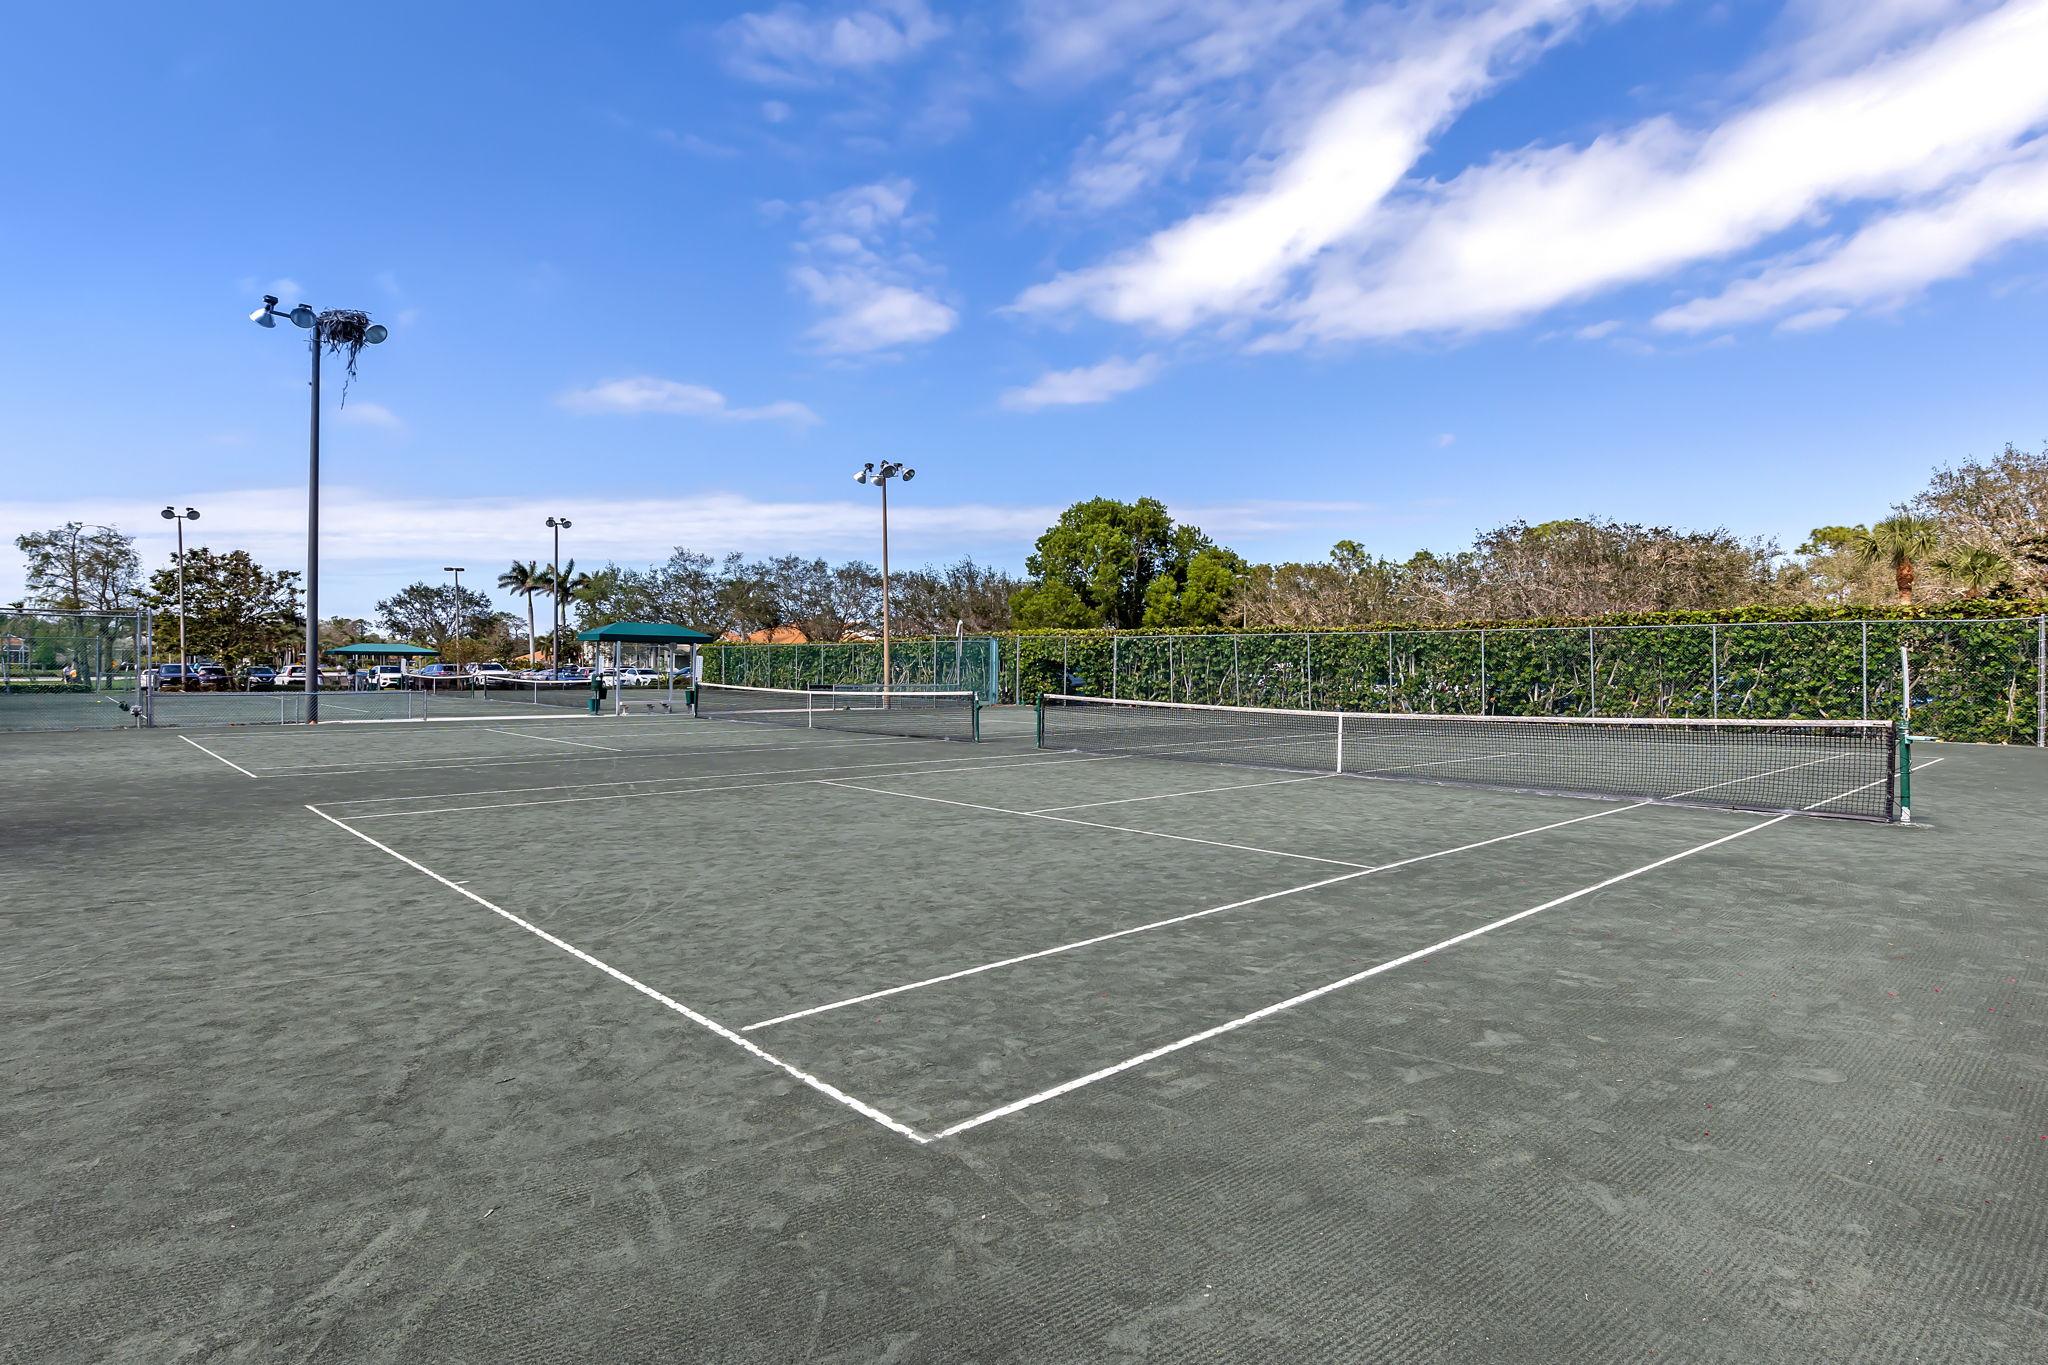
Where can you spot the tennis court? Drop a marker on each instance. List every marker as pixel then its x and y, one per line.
pixel 775 1038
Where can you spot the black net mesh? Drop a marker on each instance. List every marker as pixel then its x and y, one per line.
pixel 915 715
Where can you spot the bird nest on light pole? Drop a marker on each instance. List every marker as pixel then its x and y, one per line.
pixel 344 332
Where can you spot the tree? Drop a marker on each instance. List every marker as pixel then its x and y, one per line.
pixel 935 601
pixel 562 584
pixel 1589 567
pixel 77 567
pixel 1974 569
pixel 236 611
pixel 1999 504
pixel 1899 543
pixel 524 579
pixel 431 614
pixel 1106 554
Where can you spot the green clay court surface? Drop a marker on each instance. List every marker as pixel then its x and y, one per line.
pixel 656 1039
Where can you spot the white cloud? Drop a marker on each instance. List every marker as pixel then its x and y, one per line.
pixel 794 45
pixel 1445 441
pixel 1891 258
pixel 877 293
pixel 644 393
pixel 775 111
pixel 1087 384
pixel 1887 109
pixel 1233 257
pixel 358 413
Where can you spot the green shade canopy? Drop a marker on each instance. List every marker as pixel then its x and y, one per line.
pixel 381 649
pixel 647 633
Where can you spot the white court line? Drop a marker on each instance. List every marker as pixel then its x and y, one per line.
pixel 211 754
pixel 675 791
pixel 550 739
pixel 1167 796
pixel 822 1087
pixel 715 777
pixel 502 759
pixel 1091 824
pixel 1183 919
pixel 1067 1087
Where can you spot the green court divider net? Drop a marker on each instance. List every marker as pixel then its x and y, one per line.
pixel 1838 768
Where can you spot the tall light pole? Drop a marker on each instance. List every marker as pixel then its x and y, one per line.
pixel 456 569
pixel 171 514
pixel 879 475
pixel 339 328
pixel 557 525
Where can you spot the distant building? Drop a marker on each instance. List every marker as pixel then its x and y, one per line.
pixel 779 635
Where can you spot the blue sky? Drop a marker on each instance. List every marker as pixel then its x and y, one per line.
pixel 1304 270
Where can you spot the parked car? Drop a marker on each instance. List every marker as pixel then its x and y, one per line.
pixel 257 678
pixel 213 677
pixel 491 667
pixel 172 677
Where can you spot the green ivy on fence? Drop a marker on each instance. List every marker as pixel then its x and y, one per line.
pixel 1977 667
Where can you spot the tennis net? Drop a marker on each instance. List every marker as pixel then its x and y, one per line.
pixel 1815 767
pixel 913 715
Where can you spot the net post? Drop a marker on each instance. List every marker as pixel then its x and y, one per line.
pixel 1902 765
pixel 974 717
pixel 1340 742
pixel 1041 720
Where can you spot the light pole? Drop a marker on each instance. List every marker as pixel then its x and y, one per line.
pixel 456 569
pixel 171 514
pixel 339 329
pixel 879 475
pixel 557 525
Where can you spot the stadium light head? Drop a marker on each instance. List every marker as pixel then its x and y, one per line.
pixel 376 333
pixel 302 316
pixel 909 474
pixel 263 317
pixel 861 477
pixel 191 514
pixel 169 515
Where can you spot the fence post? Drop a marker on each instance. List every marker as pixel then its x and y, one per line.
pixel 1115 665
pixel 1485 705
pixel 1390 671
pixel 2041 682
pixel 1308 645
pixel 1236 673
pixel 1714 653
pixel 1866 670
pixel 1592 675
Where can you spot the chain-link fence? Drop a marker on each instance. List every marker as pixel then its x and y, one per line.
pixel 71 670
pixel 1981 679
pixel 970 663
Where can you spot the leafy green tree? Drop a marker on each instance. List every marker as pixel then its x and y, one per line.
pixel 1999 504
pixel 1106 555
pixel 76 567
pixel 236 611
pixel 430 614
pixel 1051 606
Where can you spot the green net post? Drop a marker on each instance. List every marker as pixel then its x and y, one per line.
pixel 975 712
pixel 1041 720
pixel 1905 762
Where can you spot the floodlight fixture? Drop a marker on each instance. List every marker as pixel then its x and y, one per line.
pixel 302 316
pixel 375 333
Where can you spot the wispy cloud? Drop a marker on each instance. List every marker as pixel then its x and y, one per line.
pixel 645 393
pixel 795 45
pixel 1087 384
pixel 855 264
pixel 1907 122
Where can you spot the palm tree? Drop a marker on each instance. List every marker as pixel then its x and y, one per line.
pixel 525 578
pixel 564 587
pixel 1899 543
pixel 1974 569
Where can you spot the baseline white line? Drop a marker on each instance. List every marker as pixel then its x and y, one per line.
pixel 505 760
pixel 1183 919
pixel 717 777
pixel 678 791
pixel 1167 796
pixel 1091 824
pixel 211 754
pixel 1067 1087
pixel 550 739
pixel 823 1087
